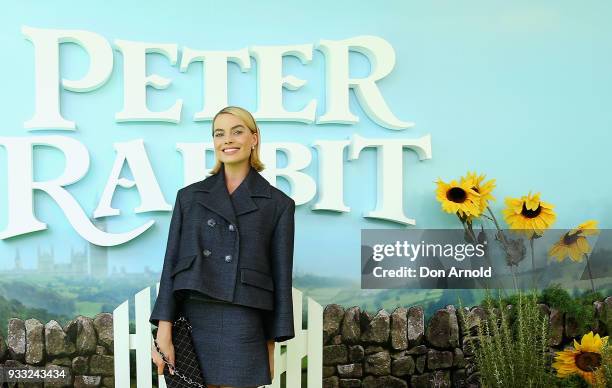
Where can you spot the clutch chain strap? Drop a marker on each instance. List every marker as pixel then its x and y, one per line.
pixel 187 379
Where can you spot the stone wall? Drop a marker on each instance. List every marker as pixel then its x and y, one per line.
pixel 401 350
pixel 83 349
pixel 360 349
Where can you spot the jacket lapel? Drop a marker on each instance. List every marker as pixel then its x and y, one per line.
pixel 243 203
pixel 216 197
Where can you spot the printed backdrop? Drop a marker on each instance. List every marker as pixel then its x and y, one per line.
pixel 518 91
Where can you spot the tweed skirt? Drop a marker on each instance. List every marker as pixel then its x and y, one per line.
pixel 229 342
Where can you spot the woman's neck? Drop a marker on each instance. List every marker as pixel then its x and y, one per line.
pixel 235 174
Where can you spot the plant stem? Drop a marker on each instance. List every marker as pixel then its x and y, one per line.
pixel 497 226
pixel 504 243
pixel 467 227
pixel 468 231
pixel 590 273
pixel 471 231
pixel 533 268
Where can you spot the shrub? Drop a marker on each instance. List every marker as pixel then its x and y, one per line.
pixel 512 355
pixel 580 308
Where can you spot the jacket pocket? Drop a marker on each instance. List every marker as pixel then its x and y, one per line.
pixel 183 264
pixel 257 279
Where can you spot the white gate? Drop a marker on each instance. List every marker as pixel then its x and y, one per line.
pixel 307 342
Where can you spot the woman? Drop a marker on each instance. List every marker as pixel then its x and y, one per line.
pixel 228 263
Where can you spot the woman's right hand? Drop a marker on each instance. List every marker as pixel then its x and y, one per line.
pixel 164 341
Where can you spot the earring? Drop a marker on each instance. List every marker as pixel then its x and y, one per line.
pixel 252 147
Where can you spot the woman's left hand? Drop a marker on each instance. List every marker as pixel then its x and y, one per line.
pixel 271 358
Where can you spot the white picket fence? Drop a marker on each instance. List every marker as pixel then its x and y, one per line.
pixel 307 342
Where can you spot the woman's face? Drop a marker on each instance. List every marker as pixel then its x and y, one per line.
pixel 232 139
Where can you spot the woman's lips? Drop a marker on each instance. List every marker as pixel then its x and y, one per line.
pixel 230 151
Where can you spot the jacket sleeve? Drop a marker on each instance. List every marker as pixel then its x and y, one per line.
pixel 278 323
pixel 165 304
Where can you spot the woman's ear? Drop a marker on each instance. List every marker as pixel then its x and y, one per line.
pixel 255 141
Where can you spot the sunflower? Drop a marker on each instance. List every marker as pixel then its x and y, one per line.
pixel 529 214
pixel 458 197
pixel 574 244
pixel 583 359
pixel 481 187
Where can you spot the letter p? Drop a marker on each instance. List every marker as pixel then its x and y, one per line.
pixel 46 43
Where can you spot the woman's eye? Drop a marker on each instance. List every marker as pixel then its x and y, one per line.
pixel 238 132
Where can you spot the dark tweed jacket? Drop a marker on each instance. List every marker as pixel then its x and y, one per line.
pixel 241 254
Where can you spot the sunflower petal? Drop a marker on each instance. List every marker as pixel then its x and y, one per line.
pixel 583 245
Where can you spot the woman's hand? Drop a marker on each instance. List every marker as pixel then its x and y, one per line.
pixel 271 358
pixel 164 341
pixel 168 349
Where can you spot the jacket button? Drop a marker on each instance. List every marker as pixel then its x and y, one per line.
pixel 206 252
pixel 232 228
pixel 211 222
pixel 228 258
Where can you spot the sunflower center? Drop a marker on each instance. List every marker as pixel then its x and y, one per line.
pixel 588 361
pixel 531 213
pixel 570 239
pixel 456 194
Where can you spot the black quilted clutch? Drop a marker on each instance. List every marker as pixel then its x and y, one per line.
pixel 187 372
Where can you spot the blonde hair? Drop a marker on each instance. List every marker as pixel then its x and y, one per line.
pixel 248 119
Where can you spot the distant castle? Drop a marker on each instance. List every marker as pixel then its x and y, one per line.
pixel 94 264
